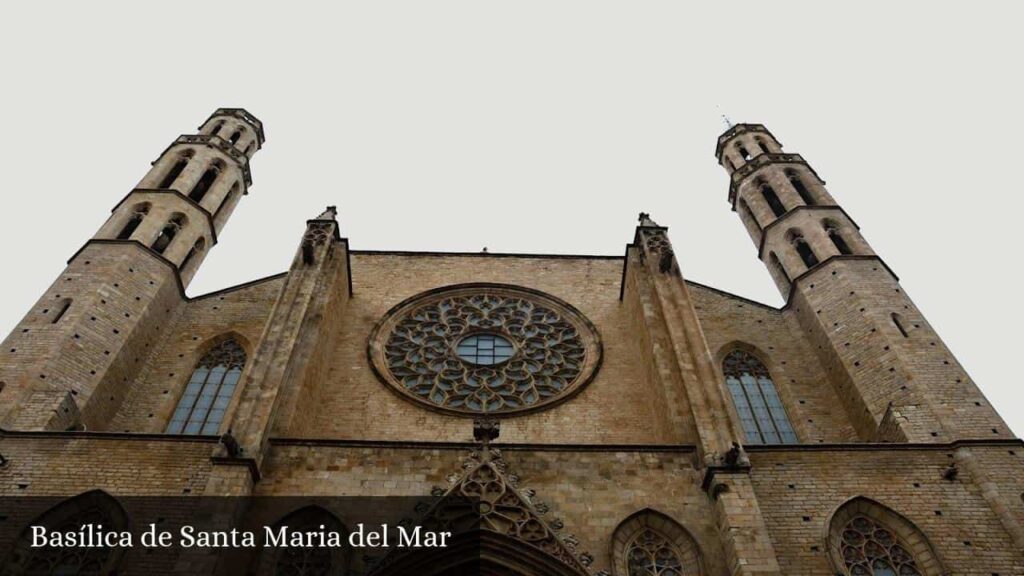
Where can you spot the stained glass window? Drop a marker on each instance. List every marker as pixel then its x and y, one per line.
pixel 651 554
pixel 869 549
pixel 209 391
pixel 484 349
pixel 753 392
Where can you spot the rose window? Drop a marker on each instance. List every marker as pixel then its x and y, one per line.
pixel 485 348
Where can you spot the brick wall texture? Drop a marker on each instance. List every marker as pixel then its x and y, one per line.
pixel 888 424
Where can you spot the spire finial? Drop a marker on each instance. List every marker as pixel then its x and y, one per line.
pixel 645 220
pixel 328 214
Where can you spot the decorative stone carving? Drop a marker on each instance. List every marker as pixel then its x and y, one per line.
pixel 415 349
pixel 868 548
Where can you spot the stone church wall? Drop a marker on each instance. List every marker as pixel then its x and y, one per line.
pixel 241 312
pixel 614 408
pixel 730 322
pixel 592 492
pixel 798 490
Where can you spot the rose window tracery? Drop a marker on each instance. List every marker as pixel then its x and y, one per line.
pixel 869 549
pixel 485 348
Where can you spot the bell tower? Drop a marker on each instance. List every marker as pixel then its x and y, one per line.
pixel 70 360
pixel 898 380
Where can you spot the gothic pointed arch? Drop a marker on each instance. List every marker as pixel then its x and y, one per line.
pixel 755 396
pixel 498 529
pixel 310 561
pixel 95 507
pixel 650 543
pixel 210 388
pixel 867 538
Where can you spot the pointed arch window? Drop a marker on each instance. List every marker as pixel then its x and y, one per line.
pixel 197 248
pixel 228 198
pixel 216 128
pixel 779 268
pixel 832 229
pixel 757 401
pixel 209 391
pixel 168 232
pixel 746 211
pixel 801 189
pixel 651 554
pixel 205 182
pixel 174 172
pixel 778 208
pixel 803 249
pixel 870 549
pixel 97 508
pixel 744 153
pixel 761 145
pixel 139 213
pixel 235 137
pixel 868 539
pixel 650 543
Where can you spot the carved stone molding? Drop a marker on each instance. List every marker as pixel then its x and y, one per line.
pixel 548 350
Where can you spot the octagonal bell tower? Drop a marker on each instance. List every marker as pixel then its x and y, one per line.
pixel 70 361
pixel 898 380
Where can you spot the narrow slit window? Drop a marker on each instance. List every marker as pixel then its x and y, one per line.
pixel 209 391
pixel 762 415
pixel 897 320
pixel 235 137
pixel 61 310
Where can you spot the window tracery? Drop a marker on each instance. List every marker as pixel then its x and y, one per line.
pixel 209 390
pixel 757 401
pixel 869 549
pixel 866 538
pixel 434 349
pixel 651 554
pixel 649 543
pixel 96 508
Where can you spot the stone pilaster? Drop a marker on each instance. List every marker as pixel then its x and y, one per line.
pixel 317 280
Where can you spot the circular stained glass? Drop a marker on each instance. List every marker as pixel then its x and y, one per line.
pixel 485 348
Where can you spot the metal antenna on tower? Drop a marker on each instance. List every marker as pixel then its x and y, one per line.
pixel 728 123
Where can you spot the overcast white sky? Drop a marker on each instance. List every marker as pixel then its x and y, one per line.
pixel 537 126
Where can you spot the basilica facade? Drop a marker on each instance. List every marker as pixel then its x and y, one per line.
pixel 611 416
